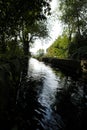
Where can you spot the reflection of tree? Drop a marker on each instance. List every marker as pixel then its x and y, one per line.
pixel 29 111
pixel 71 104
pixel 24 68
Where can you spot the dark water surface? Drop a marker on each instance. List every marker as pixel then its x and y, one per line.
pixel 49 100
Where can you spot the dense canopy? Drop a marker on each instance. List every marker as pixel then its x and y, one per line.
pixel 16 16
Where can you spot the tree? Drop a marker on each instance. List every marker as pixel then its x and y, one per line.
pixel 73 15
pixel 40 52
pixel 16 16
pixel 59 47
pixel 31 33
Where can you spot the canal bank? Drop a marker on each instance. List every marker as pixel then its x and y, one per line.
pixel 66 65
pixel 47 100
pixel 50 100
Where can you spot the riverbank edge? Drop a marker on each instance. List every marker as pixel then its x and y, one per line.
pixel 66 65
pixel 10 81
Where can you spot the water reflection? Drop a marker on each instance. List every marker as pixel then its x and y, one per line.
pixel 50 101
pixel 71 103
pixel 38 71
pixel 44 75
pixel 36 99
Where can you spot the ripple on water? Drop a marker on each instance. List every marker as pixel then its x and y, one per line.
pixel 50 120
pixel 36 98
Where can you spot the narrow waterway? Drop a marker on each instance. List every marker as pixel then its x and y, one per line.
pixel 40 72
pixel 49 100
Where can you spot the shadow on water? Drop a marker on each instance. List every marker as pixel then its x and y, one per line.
pixel 48 100
pixel 31 111
pixel 32 115
pixel 71 103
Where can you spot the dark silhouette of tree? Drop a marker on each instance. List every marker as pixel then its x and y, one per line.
pixel 17 16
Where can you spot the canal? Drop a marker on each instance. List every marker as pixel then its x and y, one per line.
pixel 50 100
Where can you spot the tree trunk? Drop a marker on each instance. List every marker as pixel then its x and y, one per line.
pixel 26 47
pixel 3 43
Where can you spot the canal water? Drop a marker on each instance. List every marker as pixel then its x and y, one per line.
pixel 50 100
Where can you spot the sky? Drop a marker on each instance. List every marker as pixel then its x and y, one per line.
pixel 55 29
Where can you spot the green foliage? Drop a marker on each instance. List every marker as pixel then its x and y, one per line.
pixel 18 16
pixel 80 53
pixel 40 52
pixel 59 47
pixel 78 46
pixel 73 16
pixel 31 33
pixel 17 21
pixel 10 71
pixel 14 49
